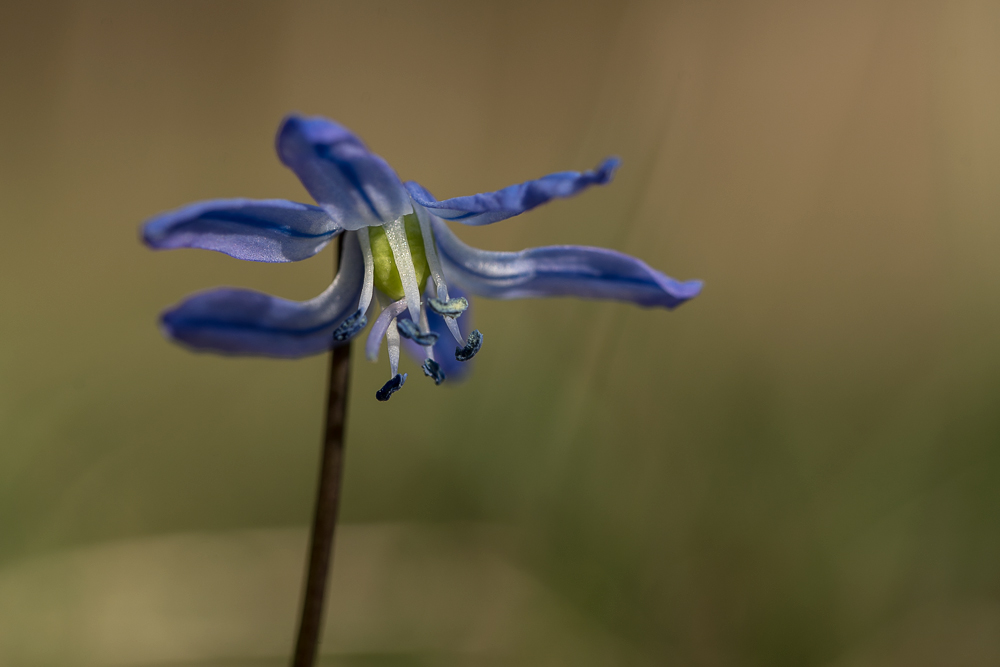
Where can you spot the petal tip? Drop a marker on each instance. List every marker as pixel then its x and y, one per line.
pixel 311 129
pixel 166 325
pixel 691 288
pixel 171 326
pixel 148 237
pixel 606 171
pixel 155 232
pixel 682 292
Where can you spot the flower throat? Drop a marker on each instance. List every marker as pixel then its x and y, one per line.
pixel 387 276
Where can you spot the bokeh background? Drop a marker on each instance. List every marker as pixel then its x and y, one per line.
pixel 801 467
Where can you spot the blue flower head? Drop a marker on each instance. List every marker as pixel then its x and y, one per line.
pixel 397 249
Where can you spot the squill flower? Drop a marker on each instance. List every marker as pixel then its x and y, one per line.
pixel 396 244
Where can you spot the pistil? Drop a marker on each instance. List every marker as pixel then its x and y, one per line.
pixel 396 235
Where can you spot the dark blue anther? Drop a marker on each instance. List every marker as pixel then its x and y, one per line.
pixel 449 308
pixel 472 345
pixel 432 369
pixel 390 387
pixel 352 325
pixel 407 329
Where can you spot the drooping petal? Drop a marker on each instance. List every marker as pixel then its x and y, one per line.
pixel 355 186
pixel 489 207
pixel 593 273
pixel 243 322
pixel 444 348
pixel 259 230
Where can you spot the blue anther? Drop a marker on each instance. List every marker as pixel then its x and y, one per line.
pixel 432 369
pixel 390 387
pixel 472 345
pixel 449 308
pixel 351 326
pixel 407 329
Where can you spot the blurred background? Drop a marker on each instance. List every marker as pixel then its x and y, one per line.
pixel 800 467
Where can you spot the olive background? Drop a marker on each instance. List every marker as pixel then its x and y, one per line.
pixel 800 467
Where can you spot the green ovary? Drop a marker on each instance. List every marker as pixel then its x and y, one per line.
pixel 386 274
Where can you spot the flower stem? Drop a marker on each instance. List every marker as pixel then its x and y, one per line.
pixel 327 502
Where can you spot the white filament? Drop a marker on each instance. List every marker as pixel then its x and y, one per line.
pixel 437 273
pixel 392 342
pixel 430 251
pixel 429 349
pixel 395 232
pixel 369 284
pixel 453 328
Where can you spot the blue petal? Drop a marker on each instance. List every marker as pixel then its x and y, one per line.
pixel 444 348
pixel 355 186
pixel 236 321
pixel 594 273
pixel 260 230
pixel 490 207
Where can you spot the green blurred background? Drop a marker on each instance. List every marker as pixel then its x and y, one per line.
pixel 800 467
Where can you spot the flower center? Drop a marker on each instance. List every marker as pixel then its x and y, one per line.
pixel 399 257
pixel 386 275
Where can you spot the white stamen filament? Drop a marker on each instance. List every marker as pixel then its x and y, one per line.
pixel 424 326
pixel 392 342
pixel 434 263
pixel 430 251
pixel 453 328
pixel 369 284
pixel 395 233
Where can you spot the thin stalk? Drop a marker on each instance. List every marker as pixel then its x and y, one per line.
pixel 327 503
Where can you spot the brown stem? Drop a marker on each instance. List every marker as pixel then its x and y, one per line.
pixel 327 502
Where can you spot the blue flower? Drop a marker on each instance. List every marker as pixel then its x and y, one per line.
pixel 396 242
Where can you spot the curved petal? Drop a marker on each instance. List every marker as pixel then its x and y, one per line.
pixel 243 322
pixel 355 186
pixel 593 273
pixel 444 348
pixel 259 230
pixel 489 207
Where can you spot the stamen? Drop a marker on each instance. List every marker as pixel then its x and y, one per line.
pixel 395 233
pixel 390 387
pixel 407 329
pixel 449 308
pixel 432 369
pixel 424 326
pixel 453 328
pixel 351 326
pixel 392 342
pixel 434 264
pixel 430 252
pixel 472 346
pixel 381 328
